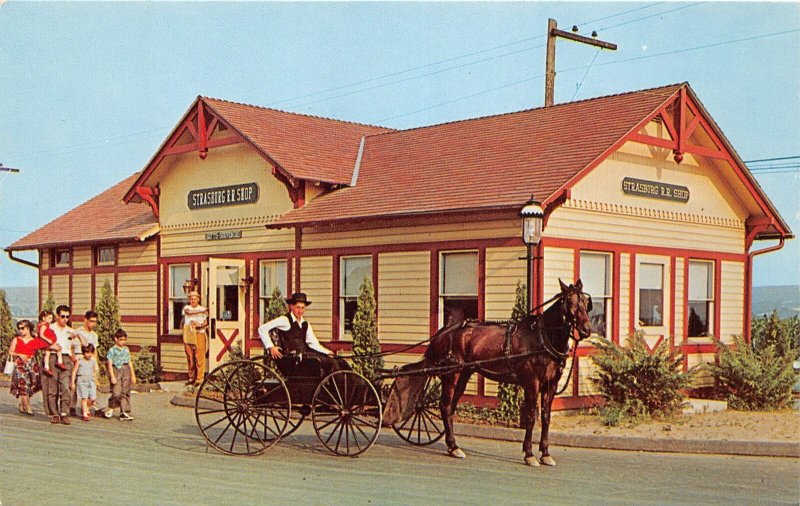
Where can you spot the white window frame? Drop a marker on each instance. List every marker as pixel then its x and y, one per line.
pixel 344 297
pixel 602 298
pixel 176 297
pixel 267 283
pixel 708 299
pixel 443 296
pixel 664 296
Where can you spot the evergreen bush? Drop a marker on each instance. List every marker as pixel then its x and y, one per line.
pixel 49 304
pixel 277 305
pixel 760 375
pixel 108 320
pixel 636 382
pixel 7 328
pixel 146 366
pixel 365 334
pixel 508 395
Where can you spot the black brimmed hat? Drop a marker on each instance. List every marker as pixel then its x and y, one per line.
pixel 298 297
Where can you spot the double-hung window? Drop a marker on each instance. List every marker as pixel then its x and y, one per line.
pixel 352 272
pixel 651 295
pixel 701 298
pixel 178 275
pixel 272 275
pixel 595 271
pixel 458 287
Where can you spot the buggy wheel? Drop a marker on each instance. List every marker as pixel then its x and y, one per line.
pixel 242 408
pixel 346 413
pixel 424 425
pixel 298 416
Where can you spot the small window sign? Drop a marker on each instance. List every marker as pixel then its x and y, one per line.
pixel 222 235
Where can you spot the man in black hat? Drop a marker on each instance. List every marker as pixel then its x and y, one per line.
pixel 297 336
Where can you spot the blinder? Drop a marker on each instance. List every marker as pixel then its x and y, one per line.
pixel 589 305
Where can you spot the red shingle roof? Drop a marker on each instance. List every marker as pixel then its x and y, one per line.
pixel 104 218
pixel 484 163
pixel 307 147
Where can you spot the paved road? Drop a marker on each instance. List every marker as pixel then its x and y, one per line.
pixel 161 458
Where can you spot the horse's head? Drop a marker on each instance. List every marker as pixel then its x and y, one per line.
pixel 575 308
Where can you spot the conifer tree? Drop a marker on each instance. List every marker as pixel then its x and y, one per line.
pixel 365 333
pixel 108 319
pixel 277 305
pixel 6 326
pixel 49 304
pixel 510 396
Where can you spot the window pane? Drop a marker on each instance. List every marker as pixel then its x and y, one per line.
pixel 227 293
pixel 273 274
pixel 350 307
pixel 459 309
pixel 699 281
pixel 651 276
pixel 62 257
pixel 651 295
pixel 353 272
pixel 106 255
pixel 460 274
pixel 178 274
pixel 698 318
pixel 594 273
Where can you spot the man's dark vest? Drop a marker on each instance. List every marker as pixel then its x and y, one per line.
pixel 294 339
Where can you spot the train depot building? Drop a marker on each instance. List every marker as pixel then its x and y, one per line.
pixel 644 199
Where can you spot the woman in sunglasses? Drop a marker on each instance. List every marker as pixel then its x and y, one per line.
pixel 25 380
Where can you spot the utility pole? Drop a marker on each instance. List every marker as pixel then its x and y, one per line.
pixel 550 64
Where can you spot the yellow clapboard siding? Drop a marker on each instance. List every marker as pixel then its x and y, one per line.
pixel 81 257
pixel 403 297
pixel 138 254
pixel 60 289
pixel 702 376
pixel 587 370
pixel 597 226
pixel 559 263
pixel 136 291
pixel 82 293
pixel 624 297
pixel 412 234
pixel 44 258
pixel 317 282
pixel 254 239
pixel 141 334
pixel 504 270
pixel 680 267
pixel 732 303
pixel 173 359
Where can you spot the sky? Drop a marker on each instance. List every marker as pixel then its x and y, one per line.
pixel 89 91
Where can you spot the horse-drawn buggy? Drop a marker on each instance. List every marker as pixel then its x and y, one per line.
pixel 244 407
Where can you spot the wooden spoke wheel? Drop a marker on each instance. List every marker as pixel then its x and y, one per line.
pixel 242 408
pixel 424 425
pixel 298 415
pixel 346 412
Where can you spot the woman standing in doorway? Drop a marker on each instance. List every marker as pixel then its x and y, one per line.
pixel 195 321
pixel 25 380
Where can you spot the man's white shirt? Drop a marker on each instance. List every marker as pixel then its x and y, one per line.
pixel 283 323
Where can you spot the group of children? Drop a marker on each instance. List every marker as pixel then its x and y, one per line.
pixel 85 368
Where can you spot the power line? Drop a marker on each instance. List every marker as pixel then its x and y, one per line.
pixel 459 57
pixel 650 16
pixel 773 159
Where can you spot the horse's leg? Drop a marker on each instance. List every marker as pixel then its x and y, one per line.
pixel 461 386
pixel 446 409
pixel 548 394
pixel 528 415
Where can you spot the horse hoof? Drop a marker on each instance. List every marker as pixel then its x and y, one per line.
pixel 457 453
pixel 531 461
pixel 548 461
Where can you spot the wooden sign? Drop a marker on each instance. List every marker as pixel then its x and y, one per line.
pixel 655 190
pixel 222 235
pixel 223 196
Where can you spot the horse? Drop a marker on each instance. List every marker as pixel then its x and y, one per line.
pixel 531 353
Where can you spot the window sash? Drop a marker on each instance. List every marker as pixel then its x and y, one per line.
pixel 106 255
pixel 595 269
pixel 272 273
pixel 178 274
pixel 61 257
pixel 353 271
pixel 651 294
pixel 701 281
pixel 459 274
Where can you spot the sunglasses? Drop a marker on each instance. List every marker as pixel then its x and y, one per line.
pixel 63 316
pixel 21 328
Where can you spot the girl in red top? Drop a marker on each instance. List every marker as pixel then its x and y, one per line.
pixel 47 335
pixel 25 378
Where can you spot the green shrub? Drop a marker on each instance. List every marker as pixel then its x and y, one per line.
pixel 636 382
pixel 510 396
pixel 108 319
pixel 783 335
pixel 757 376
pixel 7 327
pixel 146 366
pixel 365 334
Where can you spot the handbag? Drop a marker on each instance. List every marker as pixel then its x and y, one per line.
pixel 9 368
